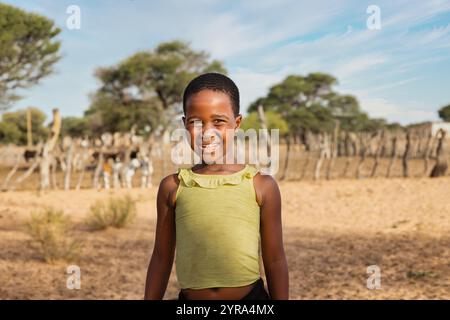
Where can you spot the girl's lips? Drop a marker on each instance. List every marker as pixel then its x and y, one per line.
pixel 210 147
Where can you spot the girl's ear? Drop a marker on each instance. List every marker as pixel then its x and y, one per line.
pixel 238 120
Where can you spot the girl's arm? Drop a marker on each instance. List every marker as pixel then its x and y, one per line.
pixel 162 258
pixel 274 258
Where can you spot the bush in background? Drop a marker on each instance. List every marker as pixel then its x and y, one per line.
pixel 116 213
pixel 50 228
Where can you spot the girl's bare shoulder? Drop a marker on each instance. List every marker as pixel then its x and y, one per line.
pixel 265 186
pixel 168 187
pixel 169 181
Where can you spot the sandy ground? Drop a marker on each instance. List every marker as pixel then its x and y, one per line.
pixel 333 231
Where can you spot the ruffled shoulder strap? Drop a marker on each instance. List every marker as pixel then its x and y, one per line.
pixel 192 179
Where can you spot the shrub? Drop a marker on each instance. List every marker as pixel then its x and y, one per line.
pixel 50 228
pixel 420 274
pixel 116 213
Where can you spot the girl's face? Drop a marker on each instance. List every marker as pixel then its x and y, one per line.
pixel 209 115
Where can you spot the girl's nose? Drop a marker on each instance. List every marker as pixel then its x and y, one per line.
pixel 207 135
pixel 210 135
pixel 207 126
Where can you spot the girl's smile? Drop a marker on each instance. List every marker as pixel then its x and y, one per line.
pixel 209 114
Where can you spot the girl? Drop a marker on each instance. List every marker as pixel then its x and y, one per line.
pixel 216 213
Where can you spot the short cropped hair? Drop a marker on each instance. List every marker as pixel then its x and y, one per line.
pixel 216 82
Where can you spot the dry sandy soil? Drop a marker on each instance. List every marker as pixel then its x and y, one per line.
pixel 333 230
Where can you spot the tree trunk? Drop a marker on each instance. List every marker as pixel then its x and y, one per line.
pixel 406 155
pixel 363 153
pixel 348 155
pixel 29 130
pixel 53 168
pixel 286 159
pixel 83 170
pixel 307 153
pixel 98 170
pixel 333 149
pixel 441 165
pixel 298 151
pixel 393 157
pixel 323 152
pixel 378 153
pixel 68 171
pixel 47 149
pixel 11 173
pixel 426 154
pixel 27 173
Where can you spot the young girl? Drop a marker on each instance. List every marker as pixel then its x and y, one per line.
pixel 216 213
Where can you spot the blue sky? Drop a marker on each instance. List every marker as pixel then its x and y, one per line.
pixel 400 72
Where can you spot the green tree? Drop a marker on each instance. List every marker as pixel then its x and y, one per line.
pixel 28 51
pixel 274 121
pixel 13 127
pixel 9 133
pixel 309 103
pixel 107 114
pixel 444 113
pixel 75 126
pixel 146 89
pixel 301 101
pixel 296 91
pixel 346 109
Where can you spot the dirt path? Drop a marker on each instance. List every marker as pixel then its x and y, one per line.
pixel 333 231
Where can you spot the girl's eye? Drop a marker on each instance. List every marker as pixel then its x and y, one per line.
pixel 219 121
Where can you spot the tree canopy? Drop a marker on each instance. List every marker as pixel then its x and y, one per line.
pixel 28 51
pixel 75 127
pixel 13 126
pixel 146 89
pixel 444 113
pixel 310 103
pixel 274 121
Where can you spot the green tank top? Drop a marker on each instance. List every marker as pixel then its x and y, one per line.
pixel 217 223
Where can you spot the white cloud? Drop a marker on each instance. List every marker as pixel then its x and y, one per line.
pixel 390 85
pixel 407 112
pixel 255 25
pixel 409 13
pixel 224 36
pixel 253 84
pixel 359 64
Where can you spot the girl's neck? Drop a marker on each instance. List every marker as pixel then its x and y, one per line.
pixel 218 167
